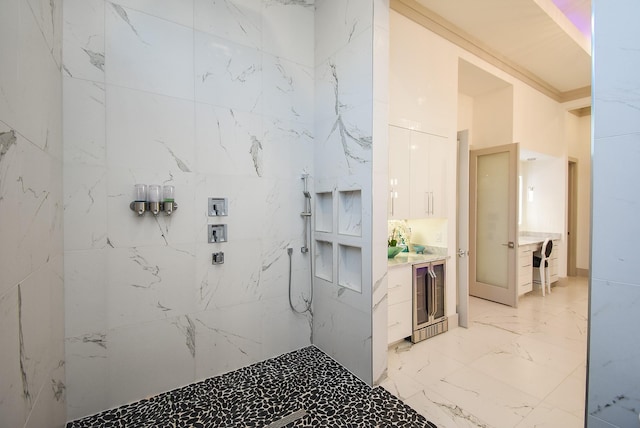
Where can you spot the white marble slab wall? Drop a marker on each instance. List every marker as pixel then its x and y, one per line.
pixel 380 186
pixel 613 390
pixel 32 364
pixel 344 163
pixel 215 98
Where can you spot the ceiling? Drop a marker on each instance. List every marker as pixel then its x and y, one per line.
pixel 542 42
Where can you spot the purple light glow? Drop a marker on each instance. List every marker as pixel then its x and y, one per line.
pixel 578 12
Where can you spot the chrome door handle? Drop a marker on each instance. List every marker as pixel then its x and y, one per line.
pixel 510 244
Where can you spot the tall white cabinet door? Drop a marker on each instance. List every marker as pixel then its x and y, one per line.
pixel 437 166
pixel 428 175
pixel 419 152
pixel 399 175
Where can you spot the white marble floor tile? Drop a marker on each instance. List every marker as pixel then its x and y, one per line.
pixel 443 412
pixel 545 416
pixel 425 364
pixel 485 397
pixel 521 373
pixel 570 394
pixel 513 367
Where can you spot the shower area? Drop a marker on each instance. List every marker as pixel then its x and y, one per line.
pixel 236 100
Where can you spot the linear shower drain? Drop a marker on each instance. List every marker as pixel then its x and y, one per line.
pixel 298 414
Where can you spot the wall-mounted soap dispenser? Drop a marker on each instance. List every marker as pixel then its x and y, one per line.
pixel 147 198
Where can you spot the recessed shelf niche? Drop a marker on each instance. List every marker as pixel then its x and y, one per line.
pixel 350 267
pixel 324 212
pixel 350 212
pixel 324 260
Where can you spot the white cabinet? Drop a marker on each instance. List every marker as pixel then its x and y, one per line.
pixel 399 175
pixel 417 174
pixel 525 268
pixel 399 297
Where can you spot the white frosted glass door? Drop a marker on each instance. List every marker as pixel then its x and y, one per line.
pixel 493 206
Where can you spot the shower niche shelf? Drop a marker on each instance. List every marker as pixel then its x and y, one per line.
pixel 350 267
pixel 324 260
pixel 350 212
pixel 324 212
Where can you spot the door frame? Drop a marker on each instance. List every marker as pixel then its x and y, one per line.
pixel 572 216
pixel 462 227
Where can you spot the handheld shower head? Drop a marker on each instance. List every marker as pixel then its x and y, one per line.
pixel 307 194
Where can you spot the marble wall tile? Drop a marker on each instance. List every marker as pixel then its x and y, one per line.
pixel 617 256
pixel 615 42
pixel 10 48
pixel 235 282
pixel 24 206
pixel 14 402
pixel 48 15
pixel 84 122
pixel 147 53
pixel 161 128
pixel 149 284
pixel 343 143
pixel 282 329
pixel 288 30
pixel 228 141
pixel 36 95
pixel 86 288
pixel 337 23
pixel 178 11
pixel 31 293
pixel 85 207
pixel 87 374
pixel 289 93
pixel 34 295
pixel 228 74
pixel 344 81
pixel 288 151
pixel 83 39
pixel 240 332
pixel 239 21
pixel 137 353
pixel 613 393
pixel 344 333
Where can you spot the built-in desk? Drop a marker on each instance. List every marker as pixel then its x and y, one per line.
pixel 527 245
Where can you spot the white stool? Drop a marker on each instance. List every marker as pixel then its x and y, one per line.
pixel 541 263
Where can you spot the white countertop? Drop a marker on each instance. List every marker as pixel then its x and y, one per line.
pixel 529 240
pixel 536 238
pixel 413 258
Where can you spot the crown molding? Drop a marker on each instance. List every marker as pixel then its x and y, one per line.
pixel 445 29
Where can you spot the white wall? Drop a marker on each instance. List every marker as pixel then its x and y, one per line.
pixel 32 362
pixel 493 118
pixel 546 212
pixel 613 388
pixel 218 102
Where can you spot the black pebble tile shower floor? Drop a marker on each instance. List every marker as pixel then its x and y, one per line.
pixel 305 381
